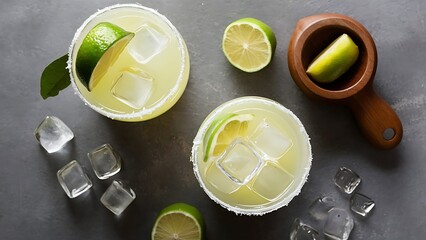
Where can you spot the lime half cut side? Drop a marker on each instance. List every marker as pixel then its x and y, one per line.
pixel 249 44
pixel 223 130
pixel 334 60
pixel 99 50
pixel 178 221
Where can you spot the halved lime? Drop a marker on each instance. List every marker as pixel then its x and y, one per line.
pixel 178 221
pixel 249 44
pixel 223 131
pixel 99 50
pixel 334 61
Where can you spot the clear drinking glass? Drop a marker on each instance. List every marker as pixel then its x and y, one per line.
pixel 263 167
pixel 148 77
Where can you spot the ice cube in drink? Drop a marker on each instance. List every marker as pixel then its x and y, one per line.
pixel 134 87
pixel 147 43
pixel 271 141
pixel 271 181
pixel 240 162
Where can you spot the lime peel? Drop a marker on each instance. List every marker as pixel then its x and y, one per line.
pixel 334 60
pixel 166 227
pixel 99 49
pixel 249 44
pixel 217 127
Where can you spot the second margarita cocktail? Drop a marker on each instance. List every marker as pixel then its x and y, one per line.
pixel 251 155
pixel 136 79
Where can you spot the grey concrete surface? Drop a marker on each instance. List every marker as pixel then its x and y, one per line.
pixel 156 153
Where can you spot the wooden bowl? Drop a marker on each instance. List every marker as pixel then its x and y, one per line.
pixel 377 120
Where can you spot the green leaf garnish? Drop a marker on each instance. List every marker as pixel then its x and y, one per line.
pixel 55 78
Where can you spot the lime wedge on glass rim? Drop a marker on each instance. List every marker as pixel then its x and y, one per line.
pixel 249 44
pixel 223 130
pixel 178 221
pixel 334 60
pixel 100 48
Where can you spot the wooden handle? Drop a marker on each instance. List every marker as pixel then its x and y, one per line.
pixel 377 120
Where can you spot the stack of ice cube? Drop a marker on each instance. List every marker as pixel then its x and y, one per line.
pixel 337 222
pixel 53 134
pixel 254 160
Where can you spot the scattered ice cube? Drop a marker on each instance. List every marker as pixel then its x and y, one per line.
pixel 361 204
pixel 118 197
pixel 146 44
pixel 301 231
pixel 320 207
pixel 73 179
pixel 220 181
pixel 105 161
pixel 133 88
pixel 271 141
pixel 240 163
pixel 346 180
pixel 339 224
pixel 53 134
pixel 271 181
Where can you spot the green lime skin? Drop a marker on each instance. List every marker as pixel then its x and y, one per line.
pixel 334 61
pixel 185 209
pixel 99 39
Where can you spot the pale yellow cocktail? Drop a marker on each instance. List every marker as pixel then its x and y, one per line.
pixel 251 155
pixel 150 74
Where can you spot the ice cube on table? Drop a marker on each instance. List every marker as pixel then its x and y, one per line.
pixel 320 207
pixel 302 231
pixel 73 179
pixel 146 44
pixel 361 204
pixel 220 181
pixel 339 224
pixel 271 181
pixel 133 88
pixel 240 162
pixel 271 141
pixel 105 161
pixel 118 197
pixel 53 134
pixel 346 180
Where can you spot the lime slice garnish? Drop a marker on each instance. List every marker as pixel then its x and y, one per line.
pixel 334 61
pixel 249 44
pixel 223 130
pixel 99 50
pixel 178 221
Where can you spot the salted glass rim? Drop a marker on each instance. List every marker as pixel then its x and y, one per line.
pixel 144 111
pixel 255 210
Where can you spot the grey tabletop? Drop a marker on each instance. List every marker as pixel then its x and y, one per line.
pixel 156 153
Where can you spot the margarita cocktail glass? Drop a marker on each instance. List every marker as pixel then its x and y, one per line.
pixel 150 74
pixel 265 162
